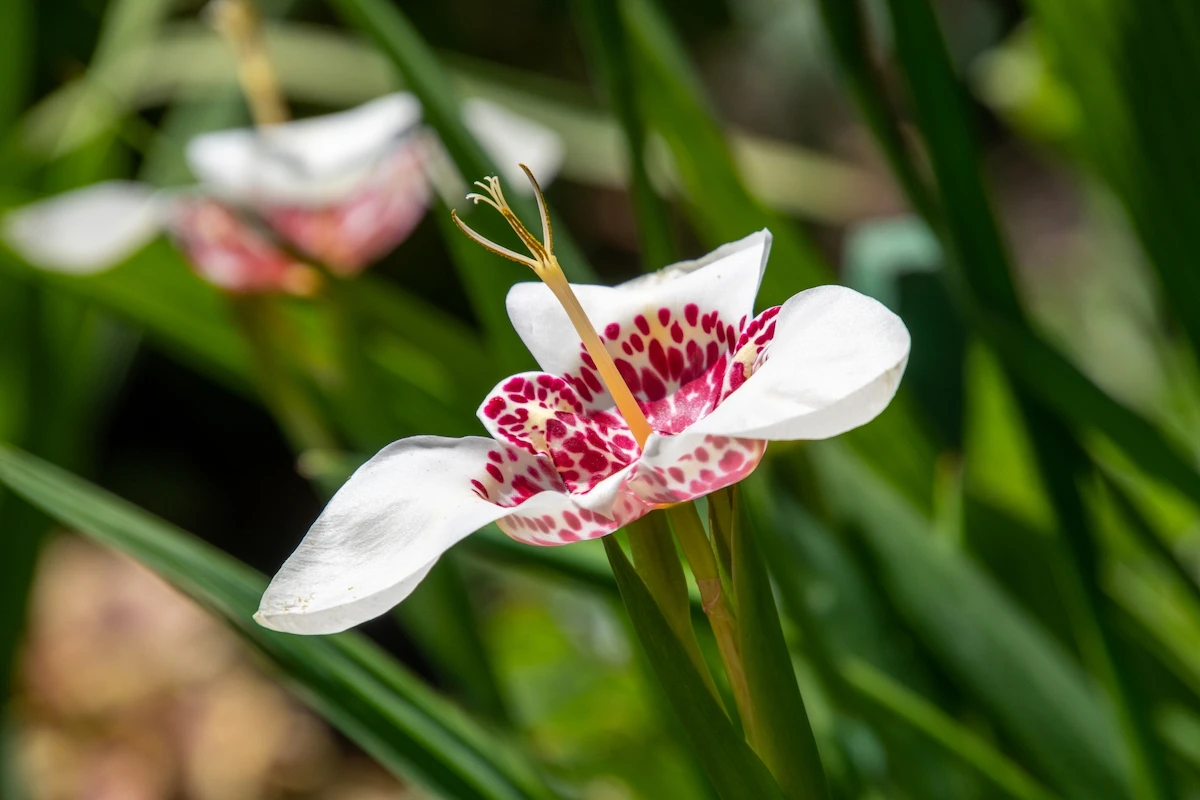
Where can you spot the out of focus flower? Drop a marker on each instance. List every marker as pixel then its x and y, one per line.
pixel 677 398
pixel 339 190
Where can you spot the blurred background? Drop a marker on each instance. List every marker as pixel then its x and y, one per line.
pixel 991 591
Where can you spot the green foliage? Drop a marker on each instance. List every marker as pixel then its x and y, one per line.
pixel 964 614
pixel 390 713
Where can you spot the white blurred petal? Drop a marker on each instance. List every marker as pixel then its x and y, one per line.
pixel 306 162
pixel 87 230
pixel 512 139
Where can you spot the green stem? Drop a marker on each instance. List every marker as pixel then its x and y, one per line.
pixel 720 522
pixel 657 563
pixel 689 530
pixel 290 403
pixel 366 418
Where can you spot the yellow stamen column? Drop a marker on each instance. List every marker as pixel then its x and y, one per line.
pixel 545 265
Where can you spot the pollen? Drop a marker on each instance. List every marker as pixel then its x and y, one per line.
pixel 544 263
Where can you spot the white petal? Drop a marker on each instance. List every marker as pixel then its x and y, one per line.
pixel 380 534
pixel 87 230
pixel 725 281
pixel 307 162
pixel 511 140
pixel 834 364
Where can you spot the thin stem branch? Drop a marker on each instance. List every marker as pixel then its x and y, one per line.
pixel 689 530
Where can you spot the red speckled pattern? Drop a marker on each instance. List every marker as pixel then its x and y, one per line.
pixel 680 367
pixel 513 476
pixel 227 252
pixel 348 236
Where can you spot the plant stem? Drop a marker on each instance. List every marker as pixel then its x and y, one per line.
pixel 689 530
pixel 301 421
pixel 658 565
pixel 368 421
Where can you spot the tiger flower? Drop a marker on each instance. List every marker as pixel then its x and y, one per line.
pixel 672 395
pixel 341 189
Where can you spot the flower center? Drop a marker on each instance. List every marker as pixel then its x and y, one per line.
pixel 542 261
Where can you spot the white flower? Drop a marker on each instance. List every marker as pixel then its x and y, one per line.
pixel 342 189
pixel 711 382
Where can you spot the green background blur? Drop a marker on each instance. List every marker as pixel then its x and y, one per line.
pixel 990 592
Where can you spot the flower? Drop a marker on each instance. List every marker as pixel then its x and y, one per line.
pixel 674 394
pixel 341 189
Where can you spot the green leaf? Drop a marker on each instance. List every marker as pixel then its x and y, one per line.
pixel 785 737
pixel 732 767
pixel 1031 687
pixel 1128 74
pixel 721 206
pixel 956 739
pixel 155 291
pixel 604 32
pixel 847 31
pixel 345 678
pixel 1046 374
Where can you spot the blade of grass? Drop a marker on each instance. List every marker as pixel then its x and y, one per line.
pixel 604 32
pixel 845 26
pixel 721 206
pixel 1029 685
pixel 986 278
pixel 1063 464
pixel 786 744
pixel 957 740
pixel 1128 75
pixel 365 694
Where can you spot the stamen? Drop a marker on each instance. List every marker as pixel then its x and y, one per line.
pixel 545 265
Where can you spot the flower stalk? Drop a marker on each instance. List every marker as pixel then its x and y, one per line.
pixel 689 530
pixel 657 563
pixel 544 263
pixel 239 23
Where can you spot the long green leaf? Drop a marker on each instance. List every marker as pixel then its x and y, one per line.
pixel 987 283
pixel 722 207
pixel 371 699
pixel 787 743
pixel 732 767
pixel 604 31
pixel 1129 73
pixel 956 739
pixel 1046 374
pixel 1034 691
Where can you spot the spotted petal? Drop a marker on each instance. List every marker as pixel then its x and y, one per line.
pixel 87 230
pixel 308 162
pixel 387 526
pixel 663 330
pixel 228 252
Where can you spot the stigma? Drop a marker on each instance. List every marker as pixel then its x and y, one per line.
pixel 544 263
